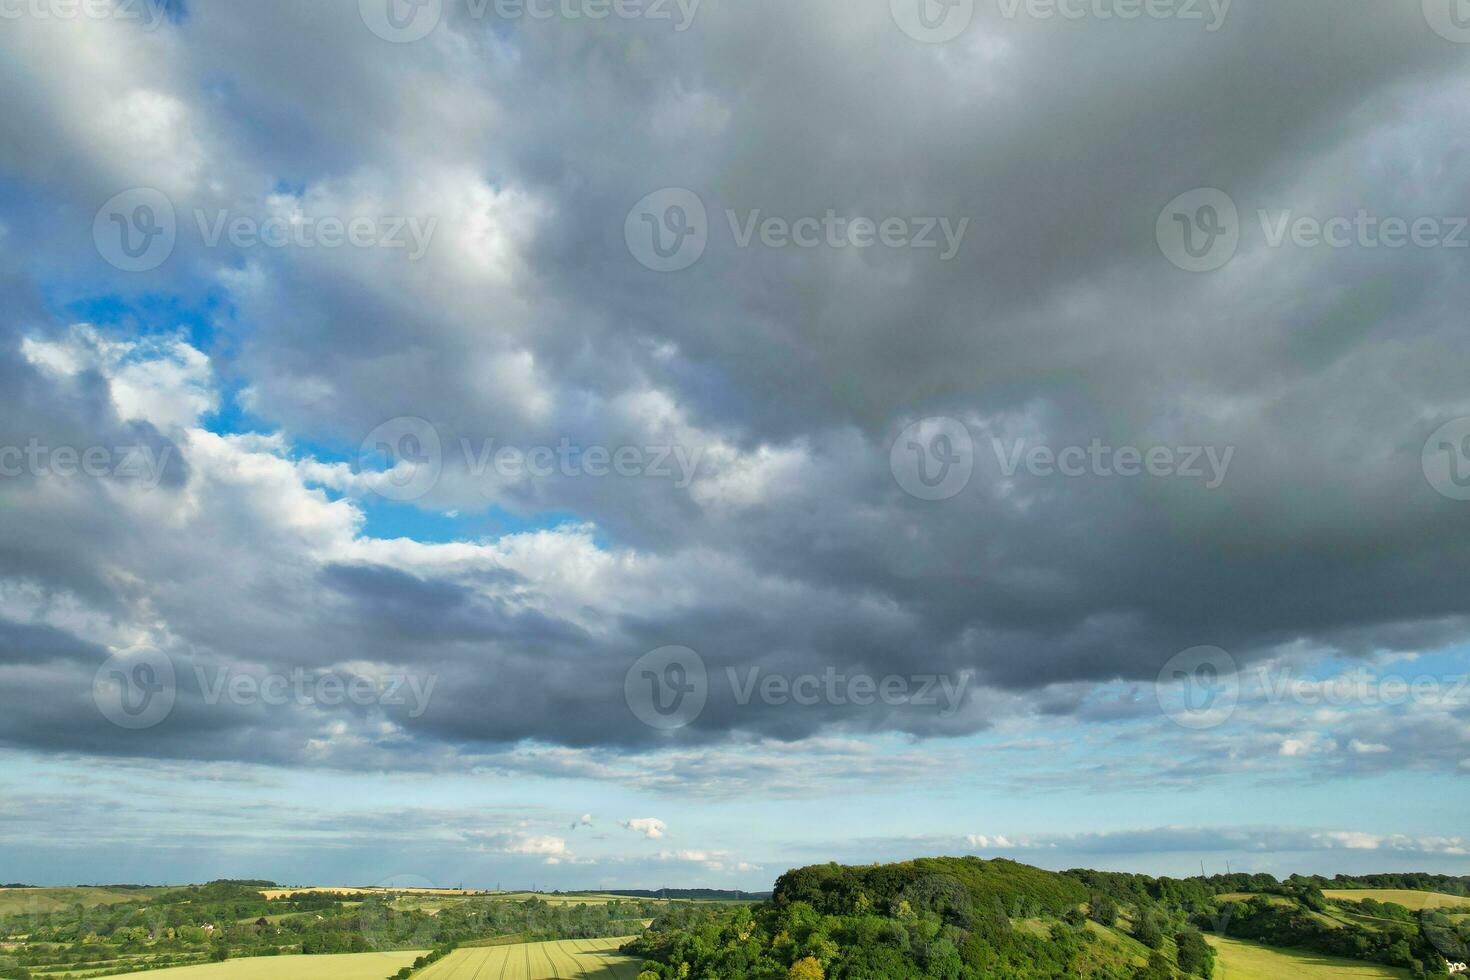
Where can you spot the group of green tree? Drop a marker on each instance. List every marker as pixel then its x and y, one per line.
pixel 962 918
pixel 950 918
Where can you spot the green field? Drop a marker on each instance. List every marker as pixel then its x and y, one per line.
pixel 346 966
pixel 1249 961
pixel 33 901
pixel 1247 896
pixel 570 959
pixel 1408 899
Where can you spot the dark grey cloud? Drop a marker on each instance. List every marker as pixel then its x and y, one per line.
pixel 789 372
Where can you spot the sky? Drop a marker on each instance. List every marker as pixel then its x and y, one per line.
pixel 576 444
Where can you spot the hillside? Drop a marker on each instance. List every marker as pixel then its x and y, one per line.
pixel 968 918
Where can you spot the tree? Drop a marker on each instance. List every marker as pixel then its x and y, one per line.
pixel 1103 910
pixel 1195 955
pixel 806 968
pixel 1158 968
pixel 1147 931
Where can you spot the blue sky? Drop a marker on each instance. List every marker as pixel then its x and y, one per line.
pixel 547 450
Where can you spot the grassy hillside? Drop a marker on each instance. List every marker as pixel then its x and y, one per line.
pixel 1239 960
pixel 33 901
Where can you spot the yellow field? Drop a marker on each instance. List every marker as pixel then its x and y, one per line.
pixel 346 966
pixel 566 899
pixel 570 959
pixel 1239 960
pixel 1408 899
pixel 275 893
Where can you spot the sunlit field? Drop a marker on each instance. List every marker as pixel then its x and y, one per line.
pixel 571 959
pixel 347 966
pixel 1250 961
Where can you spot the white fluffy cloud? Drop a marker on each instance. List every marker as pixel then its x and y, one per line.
pixel 651 828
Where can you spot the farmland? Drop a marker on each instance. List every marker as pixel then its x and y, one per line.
pixel 346 966
pixel 1240 960
pixel 570 959
pixel 1413 900
pixel 53 933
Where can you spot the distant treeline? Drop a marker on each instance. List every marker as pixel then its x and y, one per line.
pixel 707 894
pixel 1413 881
